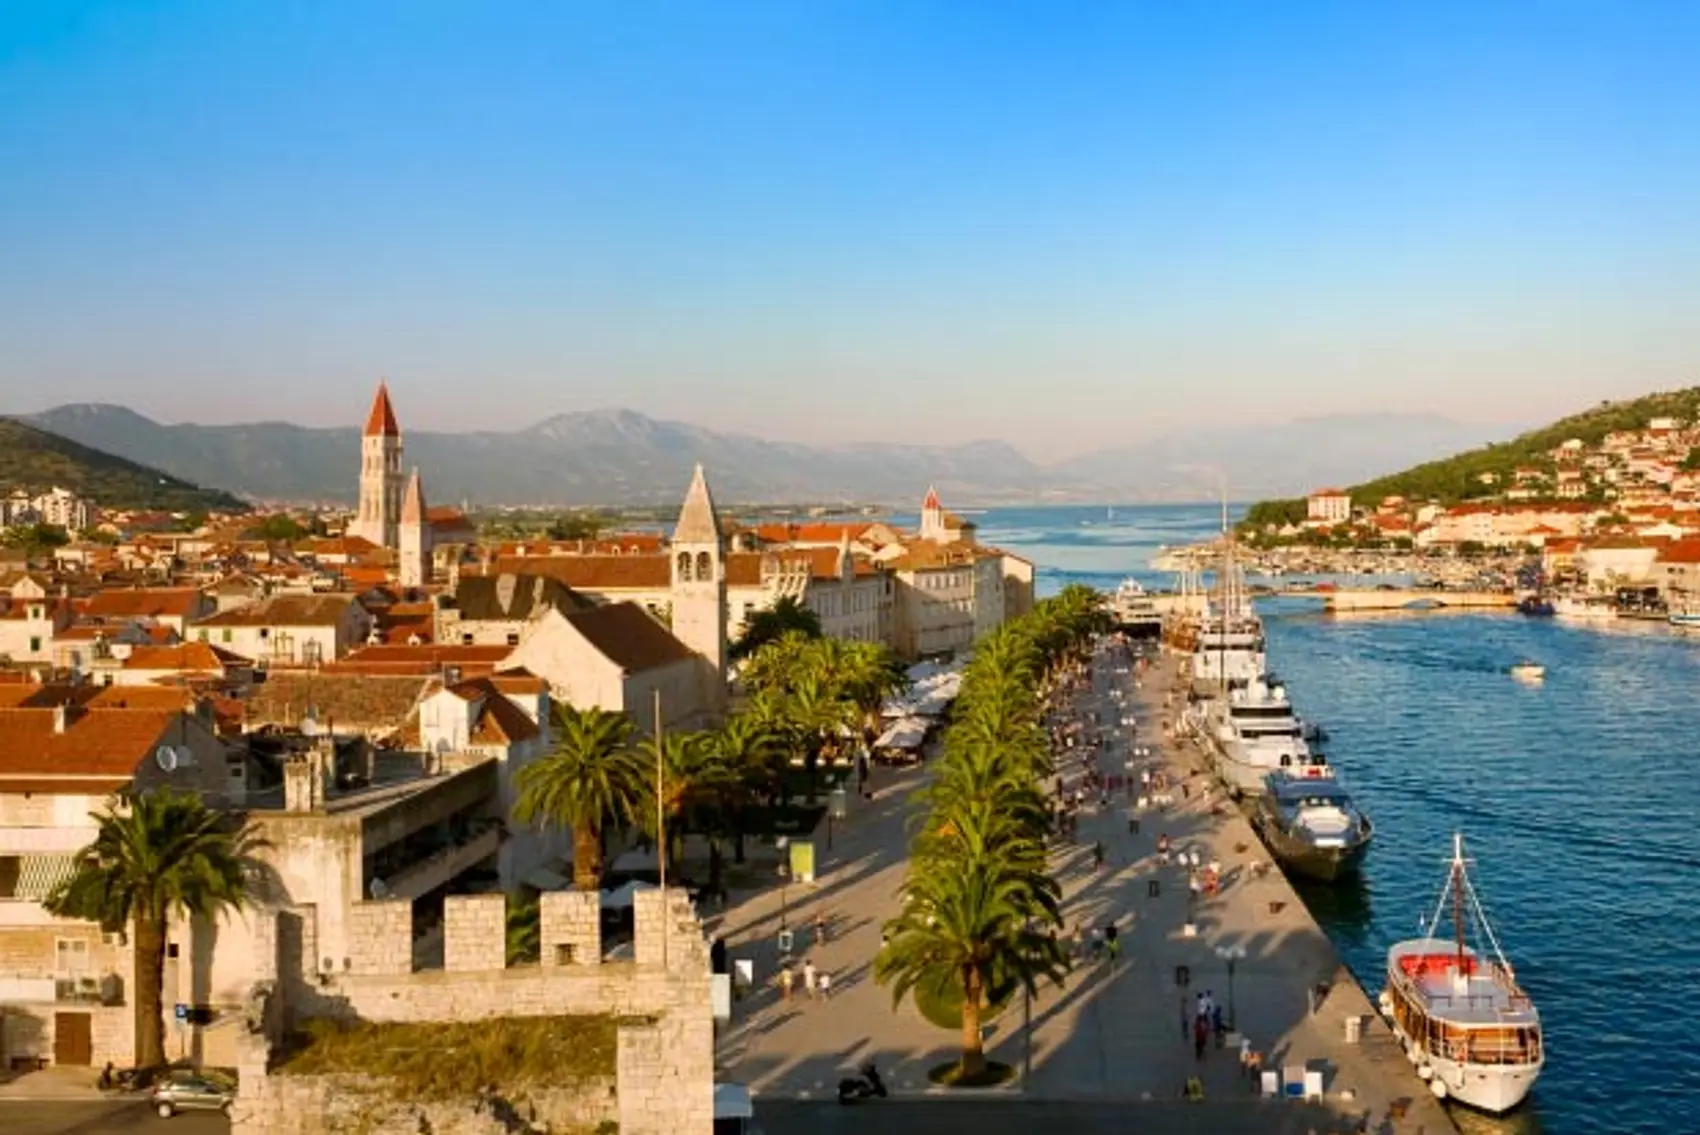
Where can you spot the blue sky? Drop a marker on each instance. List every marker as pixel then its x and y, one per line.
pixel 1059 224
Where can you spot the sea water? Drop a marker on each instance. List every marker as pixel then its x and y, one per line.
pixel 1578 798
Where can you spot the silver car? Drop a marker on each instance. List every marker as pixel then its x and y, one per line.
pixel 188 1090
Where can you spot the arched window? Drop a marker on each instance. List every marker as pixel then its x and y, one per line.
pixel 705 567
pixel 685 567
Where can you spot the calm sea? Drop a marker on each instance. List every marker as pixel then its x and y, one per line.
pixel 1578 798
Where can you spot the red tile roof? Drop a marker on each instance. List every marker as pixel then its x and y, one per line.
pixel 102 743
pixel 381 421
pixel 144 603
pixel 593 573
pixel 191 657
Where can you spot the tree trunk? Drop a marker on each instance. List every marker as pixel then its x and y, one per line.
pixel 973 1052
pixel 738 840
pixel 148 989
pixel 811 764
pixel 587 857
pixel 713 865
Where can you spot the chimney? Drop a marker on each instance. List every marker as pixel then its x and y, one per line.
pixel 61 717
pixel 298 770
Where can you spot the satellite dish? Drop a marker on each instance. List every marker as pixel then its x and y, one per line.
pixel 378 889
pixel 166 757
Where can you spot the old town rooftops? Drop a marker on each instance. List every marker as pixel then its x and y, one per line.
pixel 629 637
pixel 144 603
pixel 104 744
pixel 285 611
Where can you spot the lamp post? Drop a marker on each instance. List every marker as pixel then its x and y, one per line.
pixel 1232 955
pixel 783 844
pixel 837 807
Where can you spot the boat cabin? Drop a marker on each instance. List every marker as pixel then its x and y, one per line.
pixel 1460 1007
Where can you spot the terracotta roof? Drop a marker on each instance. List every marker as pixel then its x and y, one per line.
pixel 925 555
pixel 626 635
pixel 354 547
pixel 144 603
pixel 284 611
pixel 1685 551
pixel 1330 493
pixel 594 573
pixel 518 681
pixel 743 569
pixel 361 702
pixel 107 743
pixel 30 695
pixel 381 421
pixel 199 657
pixel 499 721
pixel 402 659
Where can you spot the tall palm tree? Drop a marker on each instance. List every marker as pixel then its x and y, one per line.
pixel 155 856
pixel 750 756
pixel 972 923
pixel 592 779
pixel 694 780
pixel 773 623
pixel 822 715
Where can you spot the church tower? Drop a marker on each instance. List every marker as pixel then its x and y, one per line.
pixel 415 535
pixel 698 557
pixel 379 516
pixel 932 518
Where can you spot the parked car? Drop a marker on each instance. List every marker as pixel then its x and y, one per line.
pixel 184 1089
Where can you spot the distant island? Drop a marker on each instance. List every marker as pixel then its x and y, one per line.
pixel 1628 468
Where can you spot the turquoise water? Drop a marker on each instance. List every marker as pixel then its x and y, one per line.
pixel 1578 798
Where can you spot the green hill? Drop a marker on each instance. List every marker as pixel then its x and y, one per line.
pixel 1458 478
pixel 34 460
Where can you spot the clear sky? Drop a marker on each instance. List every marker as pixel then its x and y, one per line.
pixel 1061 224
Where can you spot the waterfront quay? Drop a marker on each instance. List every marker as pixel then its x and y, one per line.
pixel 1115 1040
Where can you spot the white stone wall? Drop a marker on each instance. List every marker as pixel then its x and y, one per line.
pixel 475 932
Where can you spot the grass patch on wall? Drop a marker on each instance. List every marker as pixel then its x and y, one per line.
pixel 441 1060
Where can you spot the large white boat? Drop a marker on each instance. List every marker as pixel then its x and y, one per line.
pixel 1253 732
pixel 1134 611
pixel 1585 608
pixel 1471 1030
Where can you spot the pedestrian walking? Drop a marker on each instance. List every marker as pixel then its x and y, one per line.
pixel 825 985
pixel 786 978
pixel 1218 1024
pixel 1098 856
pixel 820 926
pixel 1200 1037
pixel 1112 942
pixel 809 976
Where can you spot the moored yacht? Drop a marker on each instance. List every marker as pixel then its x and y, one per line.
pixel 1134 611
pixel 1312 827
pixel 1471 1030
pixel 1585 608
pixel 1253 732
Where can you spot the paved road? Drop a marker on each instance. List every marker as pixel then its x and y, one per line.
pixel 98 1117
pixel 1111 1034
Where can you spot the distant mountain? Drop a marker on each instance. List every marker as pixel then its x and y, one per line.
pixel 36 460
pixel 623 457
pixel 1277 460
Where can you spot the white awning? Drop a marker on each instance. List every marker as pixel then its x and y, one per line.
pixel 905 734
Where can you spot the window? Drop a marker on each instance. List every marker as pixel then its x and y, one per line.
pixel 35 644
pixel 224 635
pixel 70 957
pixel 9 869
pixel 466 640
pixel 513 638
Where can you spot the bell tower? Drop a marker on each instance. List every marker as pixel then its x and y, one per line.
pixel 698 563
pixel 381 482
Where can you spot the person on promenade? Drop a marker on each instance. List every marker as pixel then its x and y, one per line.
pixel 1098 856
pixel 809 975
pixel 1218 1024
pixel 1163 849
pixel 786 978
pixel 825 985
pixel 1112 943
pixel 1200 1037
pixel 820 926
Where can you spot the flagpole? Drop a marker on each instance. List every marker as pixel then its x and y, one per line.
pixel 661 826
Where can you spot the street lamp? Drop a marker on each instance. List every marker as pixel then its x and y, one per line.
pixel 837 807
pixel 1233 955
pixel 783 844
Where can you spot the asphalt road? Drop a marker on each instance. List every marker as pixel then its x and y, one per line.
pixel 97 1117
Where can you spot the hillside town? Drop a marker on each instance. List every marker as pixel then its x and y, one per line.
pixel 367 700
pixel 1624 513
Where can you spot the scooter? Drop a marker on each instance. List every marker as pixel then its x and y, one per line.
pixel 853 1089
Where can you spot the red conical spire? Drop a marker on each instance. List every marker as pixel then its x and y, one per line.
pixel 381 421
pixel 932 502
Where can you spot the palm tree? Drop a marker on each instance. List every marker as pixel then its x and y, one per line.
pixel 750 756
pixel 156 856
pixel 971 922
pixel 694 782
pixel 590 780
pixel 773 623
pixel 821 714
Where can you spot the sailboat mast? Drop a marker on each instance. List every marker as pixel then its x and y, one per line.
pixel 1458 896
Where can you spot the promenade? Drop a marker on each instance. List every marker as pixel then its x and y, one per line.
pixel 1113 1034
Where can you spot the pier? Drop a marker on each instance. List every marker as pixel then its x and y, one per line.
pixel 1111 1049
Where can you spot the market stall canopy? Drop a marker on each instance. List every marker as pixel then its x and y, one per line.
pixel 624 895
pixel 907 734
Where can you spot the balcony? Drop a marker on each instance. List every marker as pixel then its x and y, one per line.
pixel 437 867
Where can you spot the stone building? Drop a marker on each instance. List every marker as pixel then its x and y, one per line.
pixel 378 514
pixel 492 610
pixel 698 559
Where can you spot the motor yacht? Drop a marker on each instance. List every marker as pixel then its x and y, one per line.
pixel 1135 612
pixel 1310 823
pixel 1252 732
pixel 1585 608
pixel 1470 1029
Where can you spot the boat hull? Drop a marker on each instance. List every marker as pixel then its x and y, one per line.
pixel 1493 1088
pixel 1300 856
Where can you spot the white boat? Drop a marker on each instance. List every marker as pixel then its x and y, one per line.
pixel 1253 732
pixel 1528 671
pixel 1585 608
pixel 1471 1030
pixel 1134 610
pixel 1687 619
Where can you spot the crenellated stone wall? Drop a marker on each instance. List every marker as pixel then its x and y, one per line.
pixel 665 1057
pixel 475 932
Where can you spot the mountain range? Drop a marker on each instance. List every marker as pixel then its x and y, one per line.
pixel 36 460
pixel 624 457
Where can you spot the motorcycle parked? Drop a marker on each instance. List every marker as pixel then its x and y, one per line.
pixel 868 1085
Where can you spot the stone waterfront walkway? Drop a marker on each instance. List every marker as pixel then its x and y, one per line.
pixel 1113 1032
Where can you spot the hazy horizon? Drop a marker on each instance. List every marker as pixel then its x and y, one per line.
pixel 835 222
